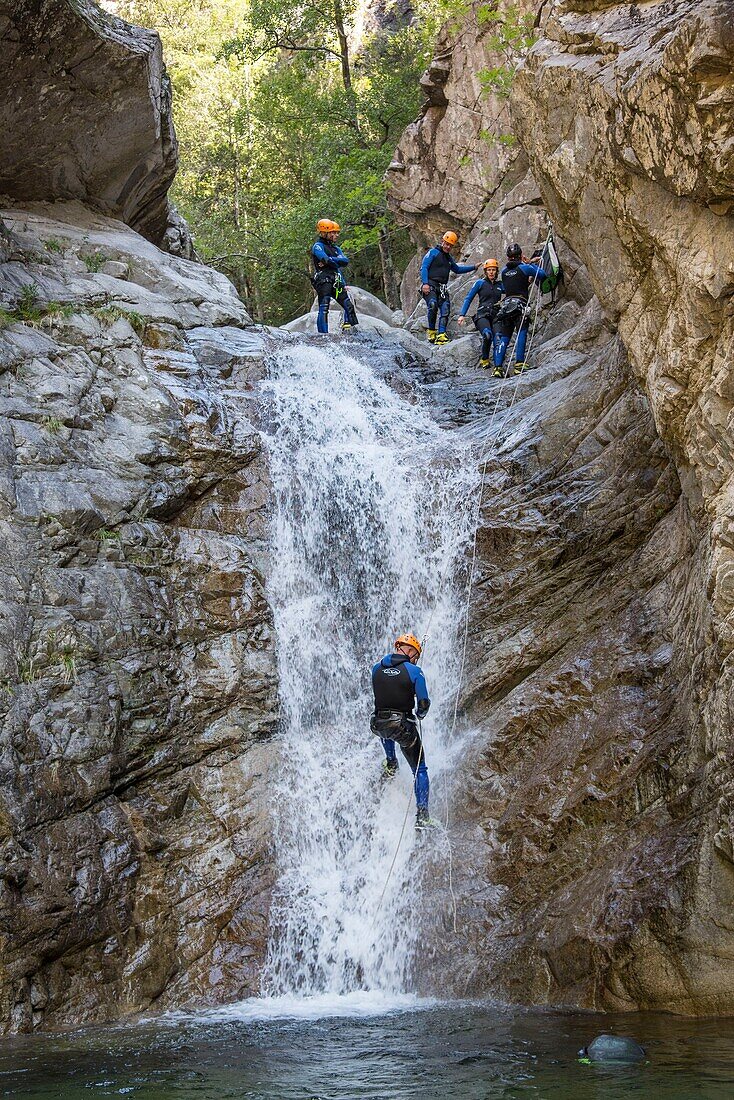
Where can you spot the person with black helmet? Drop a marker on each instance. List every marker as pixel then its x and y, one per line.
pixel 488 292
pixel 517 280
pixel 327 279
pixel 438 263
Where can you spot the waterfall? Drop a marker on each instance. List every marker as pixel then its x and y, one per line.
pixel 373 504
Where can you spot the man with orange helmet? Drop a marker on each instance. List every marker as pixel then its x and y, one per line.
pixel 399 685
pixel 438 263
pixel 488 292
pixel 328 282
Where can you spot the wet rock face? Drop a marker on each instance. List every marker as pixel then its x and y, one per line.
pixel 571 820
pixel 90 96
pixel 137 676
pixel 625 111
pixel 593 820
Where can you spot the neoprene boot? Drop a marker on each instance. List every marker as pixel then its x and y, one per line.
pixel 431 334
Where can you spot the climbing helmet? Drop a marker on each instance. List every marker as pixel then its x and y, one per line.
pixel 450 237
pixel 411 640
pixel 326 225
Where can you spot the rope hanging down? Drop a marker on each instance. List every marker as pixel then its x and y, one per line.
pixel 469 588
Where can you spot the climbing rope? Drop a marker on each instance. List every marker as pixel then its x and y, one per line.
pixel 469 587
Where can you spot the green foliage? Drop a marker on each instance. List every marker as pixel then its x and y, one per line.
pixel 285 115
pixel 52 424
pixel 94 260
pixel 111 313
pixel 104 534
pixel 512 36
pixel 53 244
pixel 287 112
pixel 26 670
pixel 27 303
pixel 30 309
pixel 59 309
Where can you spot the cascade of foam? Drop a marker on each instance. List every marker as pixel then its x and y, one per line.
pixel 373 503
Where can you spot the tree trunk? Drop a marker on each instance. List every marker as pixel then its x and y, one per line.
pixel 389 279
pixel 343 46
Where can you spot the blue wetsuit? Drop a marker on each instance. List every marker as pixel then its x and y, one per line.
pixel 517 279
pixel 398 686
pixel 488 293
pixel 328 260
pixel 435 271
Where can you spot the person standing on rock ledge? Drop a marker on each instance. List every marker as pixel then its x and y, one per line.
pixel 517 280
pixel 438 263
pixel 399 685
pixel 327 279
pixel 488 292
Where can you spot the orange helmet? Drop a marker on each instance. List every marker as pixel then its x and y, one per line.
pixel 491 265
pixel 411 640
pixel 325 225
pixel 450 238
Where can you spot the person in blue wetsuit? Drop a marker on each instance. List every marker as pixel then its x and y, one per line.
pixel 488 292
pixel 517 279
pixel 438 263
pixel 399 685
pixel 327 279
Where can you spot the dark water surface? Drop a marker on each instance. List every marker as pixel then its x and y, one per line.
pixel 467 1051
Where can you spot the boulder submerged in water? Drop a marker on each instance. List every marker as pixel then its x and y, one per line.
pixel 613 1048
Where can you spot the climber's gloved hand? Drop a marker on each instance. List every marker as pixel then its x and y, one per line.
pixel 423 707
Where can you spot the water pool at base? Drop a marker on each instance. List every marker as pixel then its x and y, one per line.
pixel 430 1051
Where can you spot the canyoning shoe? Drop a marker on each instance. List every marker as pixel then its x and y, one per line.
pixel 441 338
pixel 431 334
pixel 520 367
pixel 484 362
pixel 389 769
pixel 346 327
pixel 423 820
pixel 497 372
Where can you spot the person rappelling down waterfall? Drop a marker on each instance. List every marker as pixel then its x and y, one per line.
pixel 517 279
pixel 327 279
pixel 488 292
pixel 399 685
pixel 437 265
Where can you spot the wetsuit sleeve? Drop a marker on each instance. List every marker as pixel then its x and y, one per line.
pixel 533 271
pixel 461 269
pixel 320 254
pixel 340 259
pixel 427 260
pixel 470 297
pixel 421 691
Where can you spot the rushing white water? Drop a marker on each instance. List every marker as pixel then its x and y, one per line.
pixel 373 504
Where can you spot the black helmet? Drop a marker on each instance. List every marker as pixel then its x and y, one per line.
pixel 514 252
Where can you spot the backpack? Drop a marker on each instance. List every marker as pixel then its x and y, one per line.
pixel 547 258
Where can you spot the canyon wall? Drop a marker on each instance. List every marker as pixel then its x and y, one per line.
pixel 595 809
pixel 138 686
